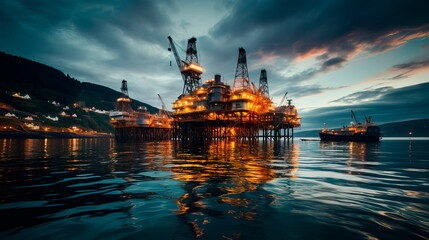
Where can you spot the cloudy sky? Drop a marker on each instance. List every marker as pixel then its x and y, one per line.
pixel 330 56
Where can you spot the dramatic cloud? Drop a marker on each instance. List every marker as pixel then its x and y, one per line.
pixel 310 73
pixel 332 31
pixel 407 69
pixel 100 41
pixel 297 91
pixel 334 27
pixel 333 62
pixel 413 65
pixel 363 96
pixel 390 105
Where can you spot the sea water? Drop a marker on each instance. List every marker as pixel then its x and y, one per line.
pixel 103 189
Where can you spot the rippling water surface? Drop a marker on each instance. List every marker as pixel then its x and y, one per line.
pixel 102 189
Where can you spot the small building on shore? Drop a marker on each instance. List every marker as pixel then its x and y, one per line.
pixel 21 95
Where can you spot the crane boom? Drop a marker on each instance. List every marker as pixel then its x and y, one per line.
pixel 354 117
pixel 176 55
pixel 283 99
pixel 164 109
pixel 189 69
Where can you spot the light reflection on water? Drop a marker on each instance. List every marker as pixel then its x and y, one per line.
pixel 98 188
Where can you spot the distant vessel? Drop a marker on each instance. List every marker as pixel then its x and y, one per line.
pixel 356 132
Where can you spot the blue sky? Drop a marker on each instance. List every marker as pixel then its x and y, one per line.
pixel 330 56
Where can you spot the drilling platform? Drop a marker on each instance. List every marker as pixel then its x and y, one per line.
pixel 141 124
pixel 214 109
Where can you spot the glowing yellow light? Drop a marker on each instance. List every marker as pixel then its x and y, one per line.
pixel 232 131
pixel 194 67
pixel 123 100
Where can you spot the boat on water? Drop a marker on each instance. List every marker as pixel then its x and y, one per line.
pixel 356 132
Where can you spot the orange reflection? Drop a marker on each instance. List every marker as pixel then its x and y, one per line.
pixel 358 152
pixel 219 177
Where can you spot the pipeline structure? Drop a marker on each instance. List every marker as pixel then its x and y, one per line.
pixel 214 109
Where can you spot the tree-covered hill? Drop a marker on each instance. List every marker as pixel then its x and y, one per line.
pixel 45 83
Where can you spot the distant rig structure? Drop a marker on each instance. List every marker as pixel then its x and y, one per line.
pixel 141 124
pixel 211 110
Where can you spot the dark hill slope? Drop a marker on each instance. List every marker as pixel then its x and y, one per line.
pixel 42 82
pixel 418 128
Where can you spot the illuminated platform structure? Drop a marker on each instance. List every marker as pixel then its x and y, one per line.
pixel 141 124
pixel 216 110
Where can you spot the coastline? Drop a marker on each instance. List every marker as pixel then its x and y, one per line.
pixel 34 134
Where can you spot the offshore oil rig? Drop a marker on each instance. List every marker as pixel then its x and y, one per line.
pixel 211 110
pixel 214 109
pixel 141 124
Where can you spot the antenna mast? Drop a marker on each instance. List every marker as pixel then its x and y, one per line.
pixel 263 83
pixel 354 117
pixel 124 88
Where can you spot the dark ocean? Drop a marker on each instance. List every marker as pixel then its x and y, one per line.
pixel 102 189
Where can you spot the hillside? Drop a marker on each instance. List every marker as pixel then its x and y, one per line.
pixel 46 86
pixel 418 128
pixel 45 83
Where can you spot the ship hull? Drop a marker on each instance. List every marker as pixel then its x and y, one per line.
pixel 348 138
